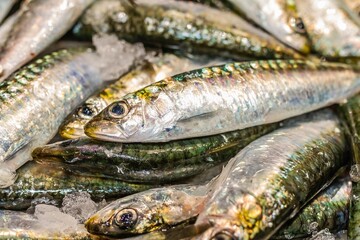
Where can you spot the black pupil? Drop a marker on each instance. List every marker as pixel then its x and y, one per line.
pixel 118 109
pixel 299 24
pixel 87 111
pixel 127 220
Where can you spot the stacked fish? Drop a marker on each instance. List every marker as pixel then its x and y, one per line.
pixel 238 120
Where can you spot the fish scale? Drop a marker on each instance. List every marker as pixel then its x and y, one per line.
pixel 41 180
pixel 273 177
pixel 183 25
pixel 351 114
pixel 170 109
pixel 35 99
pixel 138 162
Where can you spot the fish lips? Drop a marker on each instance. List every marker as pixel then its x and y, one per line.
pixel 105 130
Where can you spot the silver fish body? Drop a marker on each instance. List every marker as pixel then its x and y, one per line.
pixel 41 23
pixel 273 177
pixel 187 26
pixel 332 27
pixel 153 70
pixel 5 7
pixel 154 209
pixel 224 98
pixel 278 17
pixel 35 100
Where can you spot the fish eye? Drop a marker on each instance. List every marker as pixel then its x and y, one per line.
pixel 224 235
pixel 87 112
pixel 298 25
pixel 126 218
pixel 119 109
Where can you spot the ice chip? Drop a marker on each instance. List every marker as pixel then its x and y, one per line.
pixel 116 56
pixel 79 205
pixel 52 219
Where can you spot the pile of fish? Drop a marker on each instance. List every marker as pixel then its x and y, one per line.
pixel 174 119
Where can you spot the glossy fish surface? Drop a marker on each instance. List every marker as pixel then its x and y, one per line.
pixel 278 17
pixel 35 100
pixel 41 23
pixel 273 177
pixel 224 98
pixel 141 162
pixel 151 71
pixel 333 28
pixel 147 211
pixel 351 114
pixel 42 180
pixel 185 25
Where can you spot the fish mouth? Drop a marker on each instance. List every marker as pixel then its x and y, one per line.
pixel 105 130
pixel 94 226
pixel 72 133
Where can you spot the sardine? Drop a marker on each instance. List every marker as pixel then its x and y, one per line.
pixel 20 225
pixel 278 17
pixel 35 100
pixel 159 208
pixel 333 28
pixel 185 25
pixel 273 177
pixel 224 98
pixel 350 111
pixel 40 24
pixel 5 7
pixel 180 204
pixel 152 162
pixel 48 181
pixel 153 70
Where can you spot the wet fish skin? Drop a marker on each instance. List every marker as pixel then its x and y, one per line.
pixel 278 17
pixel 73 126
pixel 223 98
pixel 333 28
pixel 159 208
pixel 40 24
pixel 184 25
pixel 42 180
pixel 153 70
pixel 349 110
pixel 5 7
pixel 31 109
pixel 329 210
pixel 159 162
pixel 273 177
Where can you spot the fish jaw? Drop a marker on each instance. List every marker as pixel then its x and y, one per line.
pixel 105 130
pixel 71 132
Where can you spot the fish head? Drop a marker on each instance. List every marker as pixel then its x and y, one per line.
pixel 136 117
pixel 73 126
pixel 130 215
pixel 296 34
